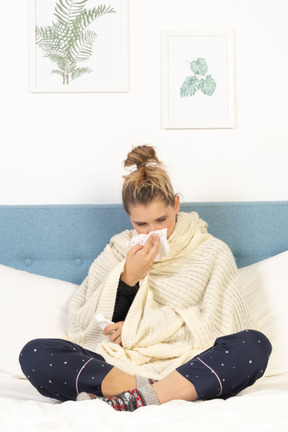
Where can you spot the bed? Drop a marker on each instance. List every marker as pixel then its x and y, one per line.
pixel 45 253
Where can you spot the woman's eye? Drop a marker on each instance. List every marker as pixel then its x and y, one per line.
pixel 161 220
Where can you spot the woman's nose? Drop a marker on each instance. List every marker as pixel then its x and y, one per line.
pixel 148 229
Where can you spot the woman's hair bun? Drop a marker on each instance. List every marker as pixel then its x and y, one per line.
pixel 141 156
pixel 148 182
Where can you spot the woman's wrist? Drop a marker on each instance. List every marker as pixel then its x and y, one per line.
pixel 128 281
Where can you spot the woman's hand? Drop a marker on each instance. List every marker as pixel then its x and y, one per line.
pixel 140 260
pixel 114 331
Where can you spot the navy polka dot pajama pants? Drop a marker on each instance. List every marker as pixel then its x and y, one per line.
pixel 234 362
pixel 61 370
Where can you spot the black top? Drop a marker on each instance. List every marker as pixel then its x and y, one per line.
pixel 124 299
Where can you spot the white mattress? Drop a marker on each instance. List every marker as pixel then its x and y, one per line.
pixel 263 407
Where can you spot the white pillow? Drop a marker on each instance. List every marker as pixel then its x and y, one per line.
pixel 31 307
pixel 265 286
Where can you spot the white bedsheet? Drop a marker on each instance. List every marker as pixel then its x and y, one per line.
pixel 260 408
pixel 263 407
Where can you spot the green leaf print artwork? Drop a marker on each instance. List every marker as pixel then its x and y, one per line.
pixel 195 82
pixel 68 41
pixel 208 85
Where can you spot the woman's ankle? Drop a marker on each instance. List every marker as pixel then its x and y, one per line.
pixel 174 386
pixel 117 381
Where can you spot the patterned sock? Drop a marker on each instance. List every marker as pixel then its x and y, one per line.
pixel 129 400
pixel 141 381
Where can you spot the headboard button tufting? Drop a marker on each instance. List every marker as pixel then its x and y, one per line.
pixel 79 261
pixel 28 262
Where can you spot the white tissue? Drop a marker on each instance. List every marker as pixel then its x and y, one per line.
pixel 141 239
pixel 103 322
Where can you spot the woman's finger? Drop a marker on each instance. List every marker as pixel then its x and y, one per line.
pixel 110 328
pixel 155 247
pixel 115 335
pixel 118 340
pixel 135 249
pixel 149 242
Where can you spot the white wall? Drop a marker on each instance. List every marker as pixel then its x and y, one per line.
pixel 68 148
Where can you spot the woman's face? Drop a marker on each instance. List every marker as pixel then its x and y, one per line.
pixel 155 216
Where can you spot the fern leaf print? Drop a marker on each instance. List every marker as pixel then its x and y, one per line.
pixel 68 41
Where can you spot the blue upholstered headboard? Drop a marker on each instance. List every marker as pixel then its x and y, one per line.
pixel 61 241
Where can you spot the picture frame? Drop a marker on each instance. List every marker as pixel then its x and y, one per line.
pixel 198 79
pixel 79 46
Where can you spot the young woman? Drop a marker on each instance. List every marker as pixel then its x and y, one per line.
pixel 180 330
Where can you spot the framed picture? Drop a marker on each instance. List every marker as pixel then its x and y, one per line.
pixel 197 79
pixel 79 46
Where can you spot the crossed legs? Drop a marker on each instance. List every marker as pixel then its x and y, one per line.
pixel 61 370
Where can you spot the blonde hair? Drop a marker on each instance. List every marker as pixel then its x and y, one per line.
pixel 148 182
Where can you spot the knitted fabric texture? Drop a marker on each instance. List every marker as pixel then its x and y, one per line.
pixel 124 299
pixel 188 299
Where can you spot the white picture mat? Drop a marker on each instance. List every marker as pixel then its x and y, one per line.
pixel 197 111
pixel 109 61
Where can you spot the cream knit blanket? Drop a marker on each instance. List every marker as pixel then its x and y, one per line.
pixel 188 299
